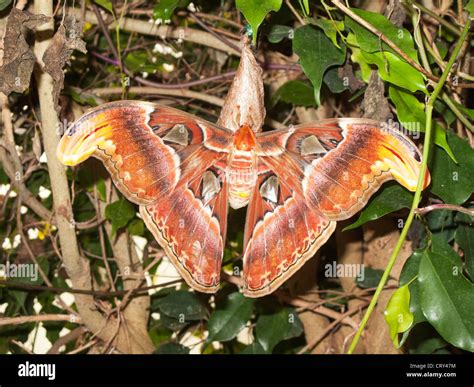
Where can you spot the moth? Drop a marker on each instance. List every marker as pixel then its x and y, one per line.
pixel 184 172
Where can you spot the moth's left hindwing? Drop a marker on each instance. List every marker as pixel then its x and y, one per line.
pixel 164 160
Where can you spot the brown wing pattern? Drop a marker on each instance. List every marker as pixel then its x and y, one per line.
pixel 339 164
pixel 164 160
pixel 191 226
pixel 282 233
pixel 147 148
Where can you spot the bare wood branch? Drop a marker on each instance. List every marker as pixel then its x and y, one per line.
pixel 40 318
pixel 163 31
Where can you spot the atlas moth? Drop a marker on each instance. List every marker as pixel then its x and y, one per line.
pixel 183 172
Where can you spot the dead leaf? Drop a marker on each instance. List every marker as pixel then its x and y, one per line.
pixel 375 105
pixel 18 57
pixel 64 42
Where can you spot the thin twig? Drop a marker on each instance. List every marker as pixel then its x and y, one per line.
pixel 73 318
pixel 451 207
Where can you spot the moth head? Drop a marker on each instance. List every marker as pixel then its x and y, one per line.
pixel 244 138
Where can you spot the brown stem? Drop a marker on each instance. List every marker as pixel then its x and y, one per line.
pixel 452 207
pixel 40 318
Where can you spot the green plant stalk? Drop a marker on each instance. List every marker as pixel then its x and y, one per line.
pixel 435 16
pixel 445 97
pixel 417 196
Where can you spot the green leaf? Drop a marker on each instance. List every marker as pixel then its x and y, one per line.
pixel 441 224
pixel 106 4
pixel 370 279
pixel 136 227
pixel 331 28
pixel 395 70
pixel 171 349
pixel 469 7
pixel 139 61
pixel 332 80
pixel 425 340
pixel 183 306
pixel 4 4
pixel 119 213
pixel 295 92
pixel 172 323
pixel 468 112
pixel 465 239
pixel 371 43
pixel 83 97
pixel 389 199
pixel 254 349
pixel 279 32
pixel 225 323
pixel 304 4
pixel 397 314
pixel 446 299
pixel 411 114
pixel 317 54
pixel 356 57
pixel 274 328
pixel 392 68
pixel 255 11
pixel 407 276
pixel 454 183
pixel 164 9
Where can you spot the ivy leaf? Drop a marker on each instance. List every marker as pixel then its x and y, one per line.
pixel 295 92
pixel 397 314
pixel 274 328
pixel 183 305
pixel 332 80
pixel 279 32
pixel 356 57
pixel 256 10
pixel 454 183
pixel 390 199
pixel 446 297
pixel 395 70
pixel 391 67
pixel 465 239
pixel 330 28
pixel 371 43
pixel 224 324
pixel 411 113
pixel 164 9
pixel 119 213
pixel 317 54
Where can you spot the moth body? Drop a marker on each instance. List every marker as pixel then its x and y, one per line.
pixel 241 172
